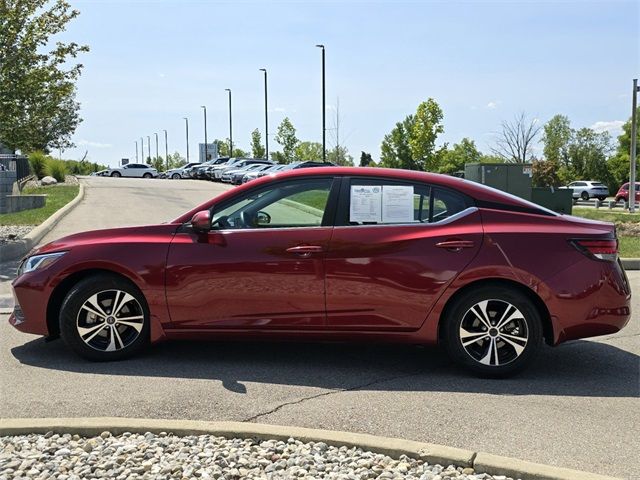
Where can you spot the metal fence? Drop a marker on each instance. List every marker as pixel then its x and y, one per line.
pixel 16 163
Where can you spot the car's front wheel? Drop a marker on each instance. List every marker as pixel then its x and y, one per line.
pixel 115 174
pixel 584 195
pixel 175 176
pixel 494 331
pixel 105 318
pixel 147 175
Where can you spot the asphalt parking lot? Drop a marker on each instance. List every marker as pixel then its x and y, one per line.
pixel 577 407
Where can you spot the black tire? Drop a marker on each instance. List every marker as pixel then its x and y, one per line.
pixel 147 175
pixel 528 326
pixel 602 199
pixel 584 195
pixel 175 176
pixel 115 174
pixel 73 315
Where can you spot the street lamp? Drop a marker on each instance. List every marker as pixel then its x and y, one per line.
pixel 230 126
pixel 266 117
pixel 632 156
pixel 324 129
pixel 136 151
pixel 205 132
pixel 186 120
pixel 149 147
pixel 156 146
pixel 142 150
pixel 166 151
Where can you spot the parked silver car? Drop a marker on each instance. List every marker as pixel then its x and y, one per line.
pixel 176 173
pixel 588 189
pixel 139 170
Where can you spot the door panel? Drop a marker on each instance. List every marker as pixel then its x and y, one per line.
pixel 254 279
pixel 387 277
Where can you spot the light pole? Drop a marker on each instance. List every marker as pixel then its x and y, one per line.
pixel 324 129
pixel 266 117
pixel 205 132
pixel 632 153
pixel 142 150
pixel 149 147
pixel 230 126
pixel 166 151
pixel 186 120
pixel 156 146
pixel 136 151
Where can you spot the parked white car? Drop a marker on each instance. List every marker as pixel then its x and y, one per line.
pixel 587 189
pixel 138 170
pixel 176 173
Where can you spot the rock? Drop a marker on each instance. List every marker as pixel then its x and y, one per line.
pixel 48 181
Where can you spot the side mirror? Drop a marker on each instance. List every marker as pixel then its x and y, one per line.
pixel 263 218
pixel 201 221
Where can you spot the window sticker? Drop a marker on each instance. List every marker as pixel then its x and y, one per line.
pixel 366 203
pixel 397 204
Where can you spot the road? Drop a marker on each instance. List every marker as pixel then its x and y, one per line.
pixel 577 407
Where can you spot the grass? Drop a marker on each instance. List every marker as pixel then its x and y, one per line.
pixel 629 245
pixel 312 198
pixel 57 197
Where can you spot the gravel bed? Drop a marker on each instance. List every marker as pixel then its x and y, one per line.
pixel 167 456
pixel 12 233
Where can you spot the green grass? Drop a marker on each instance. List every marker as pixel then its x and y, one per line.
pixel 629 247
pixel 312 198
pixel 606 215
pixel 57 197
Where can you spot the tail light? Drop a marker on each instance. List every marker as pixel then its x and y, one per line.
pixel 600 249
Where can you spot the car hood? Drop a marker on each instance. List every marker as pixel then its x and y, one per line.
pixel 144 233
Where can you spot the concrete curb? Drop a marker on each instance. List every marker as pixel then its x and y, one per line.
pixel 15 250
pixel 393 447
pixel 631 263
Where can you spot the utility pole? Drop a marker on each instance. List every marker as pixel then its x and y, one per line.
pixel 166 151
pixel 156 146
pixel 324 116
pixel 149 147
pixel 142 150
pixel 632 156
pixel 186 120
pixel 205 133
pixel 136 151
pixel 230 126
pixel 266 117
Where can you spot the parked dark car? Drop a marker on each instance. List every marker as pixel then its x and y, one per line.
pixel 339 254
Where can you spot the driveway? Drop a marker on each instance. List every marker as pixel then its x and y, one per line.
pixel 577 407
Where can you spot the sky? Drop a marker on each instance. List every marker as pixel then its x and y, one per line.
pixel 152 63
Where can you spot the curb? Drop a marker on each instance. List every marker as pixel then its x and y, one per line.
pixel 393 447
pixel 15 250
pixel 631 263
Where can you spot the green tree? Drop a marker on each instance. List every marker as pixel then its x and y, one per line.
pixel 340 156
pixel 411 143
pixel 257 149
pixel 588 155
pixel 365 159
pixel 454 159
pixel 158 163
pixel 545 173
pixel 557 136
pixel 309 151
pixel 286 137
pixel 223 149
pixel 620 163
pixel 37 87
pixel 176 160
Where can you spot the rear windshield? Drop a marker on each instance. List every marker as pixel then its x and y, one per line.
pixel 599 184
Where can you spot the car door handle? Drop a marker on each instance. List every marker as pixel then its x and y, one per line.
pixel 455 245
pixel 305 250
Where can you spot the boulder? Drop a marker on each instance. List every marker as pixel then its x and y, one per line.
pixel 48 181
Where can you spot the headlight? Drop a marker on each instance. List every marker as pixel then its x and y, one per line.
pixel 38 262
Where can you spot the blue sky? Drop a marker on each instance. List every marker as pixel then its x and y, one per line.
pixel 154 62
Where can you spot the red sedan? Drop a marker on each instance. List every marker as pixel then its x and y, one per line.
pixel 339 254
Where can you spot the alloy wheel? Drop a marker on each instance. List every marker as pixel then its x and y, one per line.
pixel 110 320
pixel 494 332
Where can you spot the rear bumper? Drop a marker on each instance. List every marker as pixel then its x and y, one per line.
pixel 588 299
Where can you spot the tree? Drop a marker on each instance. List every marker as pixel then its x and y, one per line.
pixel 411 143
pixel 365 159
pixel 286 136
pixel 37 88
pixel 545 174
pixel 176 160
pixel 620 163
pixel 588 154
pixel 223 149
pixel 340 156
pixel 454 160
pixel 557 137
pixel 309 151
pixel 515 141
pixel 257 149
pixel 158 163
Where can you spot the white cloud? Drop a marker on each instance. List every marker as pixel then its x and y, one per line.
pixel 493 104
pixel 87 143
pixel 614 127
pixel 162 75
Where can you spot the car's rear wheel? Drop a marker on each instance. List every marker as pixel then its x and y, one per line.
pixel 147 175
pixel 584 195
pixel 175 176
pixel 494 331
pixel 105 318
pixel 115 174
pixel 602 199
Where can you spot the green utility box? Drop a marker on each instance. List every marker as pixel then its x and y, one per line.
pixel 557 199
pixel 514 178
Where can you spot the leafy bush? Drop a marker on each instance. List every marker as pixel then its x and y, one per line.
pixel 57 169
pixel 38 163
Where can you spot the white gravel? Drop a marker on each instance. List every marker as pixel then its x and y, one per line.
pixel 167 456
pixel 12 233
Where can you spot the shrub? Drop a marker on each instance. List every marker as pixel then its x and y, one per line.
pixel 38 163
pixel 57 169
